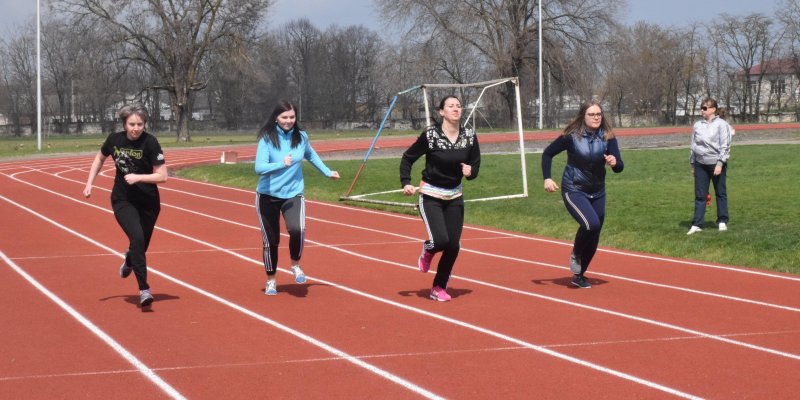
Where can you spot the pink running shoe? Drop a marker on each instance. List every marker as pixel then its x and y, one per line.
pixel 424 261
pixel 439 294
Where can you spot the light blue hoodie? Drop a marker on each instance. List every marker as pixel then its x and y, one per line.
pixel 275 178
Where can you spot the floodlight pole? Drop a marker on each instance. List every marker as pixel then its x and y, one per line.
pixel 38 79
pixel 540 64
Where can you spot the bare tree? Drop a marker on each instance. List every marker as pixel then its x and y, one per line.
pixel 301 41
pixel 63 45
pixel 173 37
pixel 505 31
pixel 19 76
pixel 695 70
pixel 789 17
pixel 747 41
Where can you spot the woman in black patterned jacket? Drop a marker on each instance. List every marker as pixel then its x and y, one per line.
pixel 451 152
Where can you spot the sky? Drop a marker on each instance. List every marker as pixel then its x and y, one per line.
pixel 323 13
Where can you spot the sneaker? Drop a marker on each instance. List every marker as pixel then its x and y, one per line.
pixel 425 259
pixel 271 288
pixel 723 226
pixel 299 276
pixel 124 269
pixel 581 282
pixel 145 298
pixel 439 294
pixel 574 264
pixel 694 229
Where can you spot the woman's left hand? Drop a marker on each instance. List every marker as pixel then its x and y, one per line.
pixel 611 160
pixel 717 170
pixel 466 169
pixel 131 178
pixel 334 175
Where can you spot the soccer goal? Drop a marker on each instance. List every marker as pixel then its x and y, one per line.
pixel 476 99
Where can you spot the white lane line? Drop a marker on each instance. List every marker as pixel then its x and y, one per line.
pixel 563 243
pixel 466 279
pixel 140 366
pixel 300 335
pixel 618 277
pixel 505 234
pixel 519 342
pixel 425 354
pixel 518 236
pixel 485 283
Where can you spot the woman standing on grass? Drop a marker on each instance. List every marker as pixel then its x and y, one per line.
pixel 450 154
pixel 135 200
pixel 590 145
pixel 711 148
pixel 282 146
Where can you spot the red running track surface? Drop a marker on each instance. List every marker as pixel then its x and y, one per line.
pixel 363 326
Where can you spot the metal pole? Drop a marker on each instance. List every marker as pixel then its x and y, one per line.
pixel 521 141
pixel 38 79
pixel 540 64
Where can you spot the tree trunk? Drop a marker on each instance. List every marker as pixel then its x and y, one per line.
pixel 182 111
pixel 182 122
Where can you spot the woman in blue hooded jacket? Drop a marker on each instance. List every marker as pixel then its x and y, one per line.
pixel 282 146
pixel 590 145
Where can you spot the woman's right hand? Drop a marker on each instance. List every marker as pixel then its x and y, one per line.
pixel 550 185
pixel 287 161
pixel 409 190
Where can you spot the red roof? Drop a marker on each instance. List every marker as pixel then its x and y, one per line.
pixel 785 66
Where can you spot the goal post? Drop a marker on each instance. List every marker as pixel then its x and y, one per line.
pixel 469 122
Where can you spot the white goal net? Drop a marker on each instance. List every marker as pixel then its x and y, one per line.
pixel 480 101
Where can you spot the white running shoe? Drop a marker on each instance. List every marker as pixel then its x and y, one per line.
pixel 574 264
pixel 694 229
pixel 271 288
pixel 145 298
pixel 299 276
pixel 723 226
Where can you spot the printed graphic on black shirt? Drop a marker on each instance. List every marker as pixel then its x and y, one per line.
pixel 438 140
pixel 124 159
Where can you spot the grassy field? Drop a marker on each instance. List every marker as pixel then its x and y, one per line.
pixel 649 207
pixel 27 146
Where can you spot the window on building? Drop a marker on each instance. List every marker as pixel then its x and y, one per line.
pixel 777 86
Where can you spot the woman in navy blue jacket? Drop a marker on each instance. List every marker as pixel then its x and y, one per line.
pixel 590 145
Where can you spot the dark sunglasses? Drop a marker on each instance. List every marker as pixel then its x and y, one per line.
pixel 704 108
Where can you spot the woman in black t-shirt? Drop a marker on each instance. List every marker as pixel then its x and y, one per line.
pixel 451 153
pixel 140 166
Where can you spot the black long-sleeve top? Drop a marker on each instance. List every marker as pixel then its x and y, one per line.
pixel 443 157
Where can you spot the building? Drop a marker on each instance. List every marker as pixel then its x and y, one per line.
pixel 780 87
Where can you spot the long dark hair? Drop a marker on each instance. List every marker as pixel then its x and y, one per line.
pixel 577 125
pixel 270 128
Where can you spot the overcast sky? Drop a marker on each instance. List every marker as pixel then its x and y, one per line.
pixel 323 13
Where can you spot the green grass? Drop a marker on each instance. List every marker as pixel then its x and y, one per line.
pixel 649 207
pixel 58 144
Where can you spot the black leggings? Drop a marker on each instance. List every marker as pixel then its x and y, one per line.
pixel 294 216
pixel 138 220
pixel 444 221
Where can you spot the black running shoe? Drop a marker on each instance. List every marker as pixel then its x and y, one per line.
pixel 581 282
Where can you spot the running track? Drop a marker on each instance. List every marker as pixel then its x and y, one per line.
pixel 362 327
